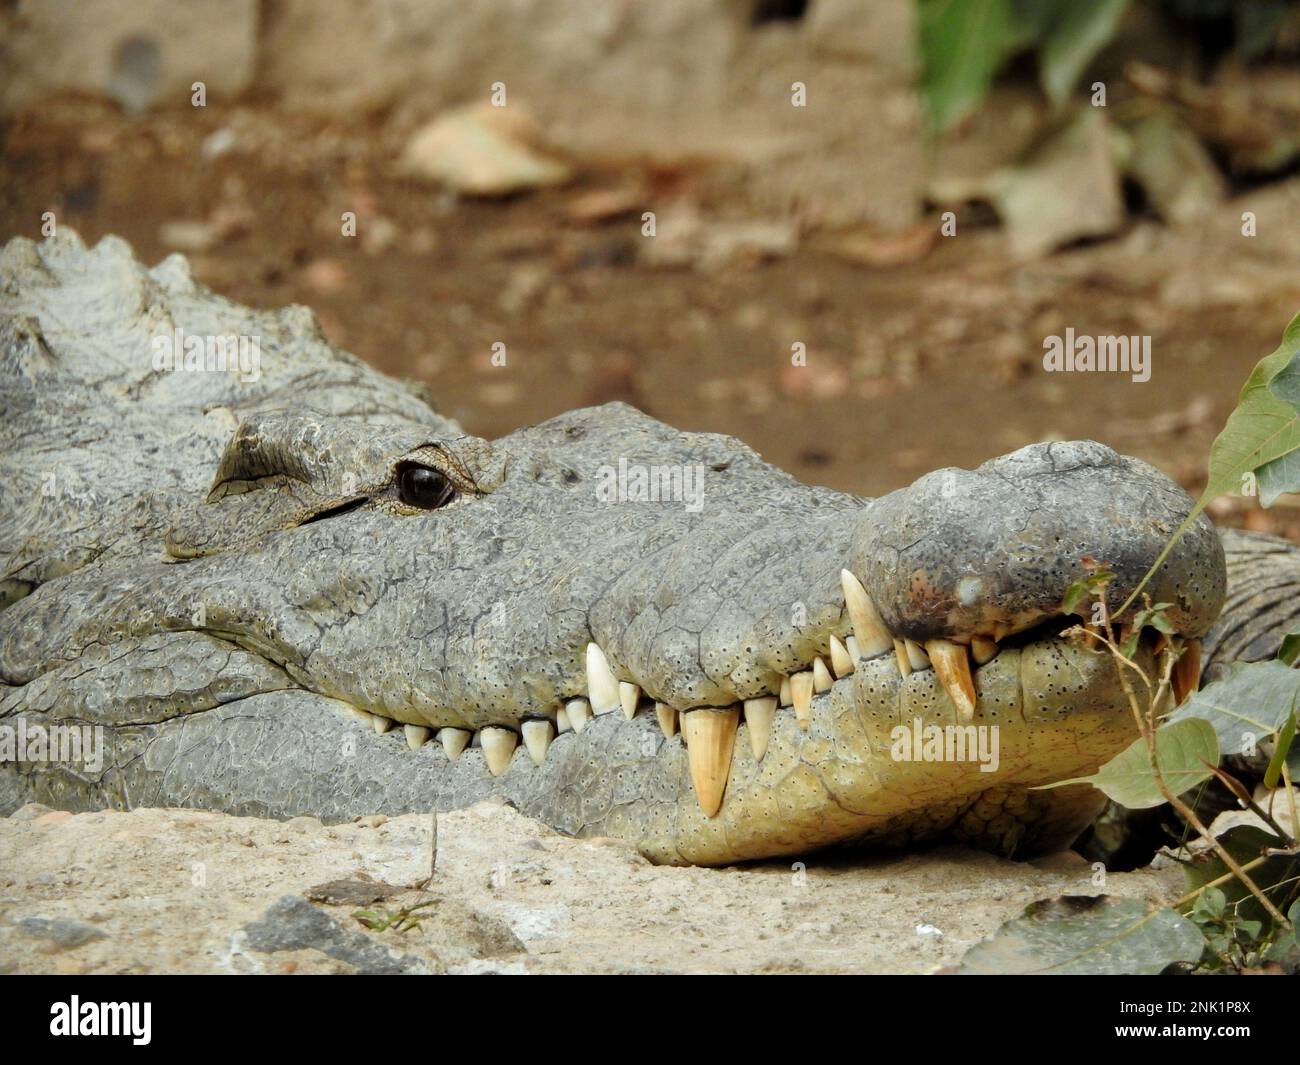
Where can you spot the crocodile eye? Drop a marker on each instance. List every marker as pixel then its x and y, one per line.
pixel 420 486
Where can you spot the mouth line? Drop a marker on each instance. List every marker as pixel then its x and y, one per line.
pixel 709 732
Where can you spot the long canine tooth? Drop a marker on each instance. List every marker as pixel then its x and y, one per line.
pixel 801 693
pixel 900 655
pixel 758 718
pixel 841 659
pixel 562 722
pixel 454 740
pixel 602 688
pixel 983 649
pixel 537 737
pixel 382 724
pixel 785 698
pixel 711 739
pixel 498 745
pixel 952 665
pixel 667 718
pixel 628 696
pixel 416 736
pixel 579 712
pixel 872 635
pixel 822 679
pixel 855 652
pixel 1186 677
pixel 916 655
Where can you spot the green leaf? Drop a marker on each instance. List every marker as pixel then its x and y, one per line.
pixel 1289 653
pixel 1211 902
pixel 1077 935
pixel 1250 702
pixel 1084 29
pixel 1261 439
pixel 1274 771
pixel 963 43
pixel 1275 876
pixel 1182 753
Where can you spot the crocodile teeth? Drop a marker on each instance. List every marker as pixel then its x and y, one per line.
pixel 382 724
pixel 784 697
pixel 952 665
pixel 667 718
pixel 758 717
pixel 628 696
pixel 416 736
pixel 711 738
pixel 855 652
pixel 579 713
pixel 916 655
pixel 822 679
pixel 602 688
pixel 983 649
pixel 801 693
pixel 498 745
pixel 1186 676
pixel 562 722
pixel 841 659
pixel 454 740
pixel 872 635
pixel 537 738
pixel 900 656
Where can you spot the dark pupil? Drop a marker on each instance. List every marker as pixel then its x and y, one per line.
pixel 423 487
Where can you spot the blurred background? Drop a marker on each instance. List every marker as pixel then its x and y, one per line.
pixel 660 202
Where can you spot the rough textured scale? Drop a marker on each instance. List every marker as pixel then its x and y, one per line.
pixel 222 569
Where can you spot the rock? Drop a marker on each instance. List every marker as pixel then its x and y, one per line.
pixel 1180 180
pixel 482 150
pixel 293 923
pixel 65 933
pixel 1067 189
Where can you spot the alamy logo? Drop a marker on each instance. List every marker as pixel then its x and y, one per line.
pixel 53 743
pixel 919 742
pixel 1088 354
pixel 634 483
pixel 196 353
pixel 102 1018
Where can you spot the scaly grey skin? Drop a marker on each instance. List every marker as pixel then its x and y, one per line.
pixel 236 578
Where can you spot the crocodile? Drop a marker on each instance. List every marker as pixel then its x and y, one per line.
pixel 267 579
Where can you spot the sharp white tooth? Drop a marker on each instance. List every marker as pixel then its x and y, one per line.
pixel 872 635
pixel 785 698
pixel 1186 677
pixel 916 656
pixel 667 718
pixel 498 745
pixel 562 722
pixel 758 719
pixel 822 679
pixel 983 649
pixel 952 666
pixel 381 724
pixel 364 716
pixel 711 739
pixel 579 712
pixel 454 740
pixel 416 736
pixel 602 688
pixel 900 655
pixel 841 659
pixel 855 652
pixel 801 693
pixel 537 737
pixel 628 696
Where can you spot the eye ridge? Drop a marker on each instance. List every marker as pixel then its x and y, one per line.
pixel 423 487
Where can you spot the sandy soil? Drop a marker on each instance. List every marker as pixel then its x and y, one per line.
pixel 192 891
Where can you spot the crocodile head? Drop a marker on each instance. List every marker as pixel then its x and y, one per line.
pixel 626 629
